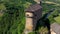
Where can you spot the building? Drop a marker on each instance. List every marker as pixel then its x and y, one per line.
pixel 33 13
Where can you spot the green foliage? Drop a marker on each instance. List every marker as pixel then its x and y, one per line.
pixel 53 15
pixel 13 19
pixel 32 33
pixel 43 30
pixel 57 19
pixel 2 7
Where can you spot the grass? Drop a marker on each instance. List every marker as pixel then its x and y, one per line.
pixel 57 19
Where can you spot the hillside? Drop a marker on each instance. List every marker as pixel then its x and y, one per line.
pixel 12 15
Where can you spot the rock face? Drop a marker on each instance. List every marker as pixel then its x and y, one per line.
pixel 52 32
pixel 55 28
pixel 33 13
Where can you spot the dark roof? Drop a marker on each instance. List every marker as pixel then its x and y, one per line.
pixel 56 28
pixel 33 8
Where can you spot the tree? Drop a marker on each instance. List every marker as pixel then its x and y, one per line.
pixel 13 20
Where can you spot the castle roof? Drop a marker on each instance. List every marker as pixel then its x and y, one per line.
pixel 33 8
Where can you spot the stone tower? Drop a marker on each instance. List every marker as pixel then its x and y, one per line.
pixel 33 13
